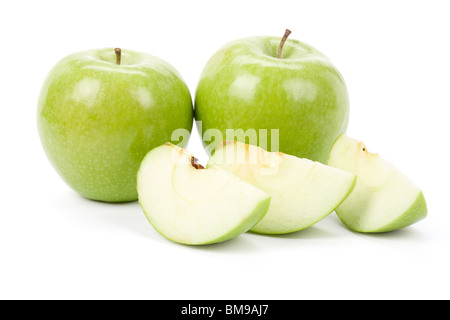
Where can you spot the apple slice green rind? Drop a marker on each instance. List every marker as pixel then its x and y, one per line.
pixel 384 199
pixel 302 191
pixel 195 206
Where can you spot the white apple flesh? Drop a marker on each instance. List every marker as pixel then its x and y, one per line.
pixel 191 205
pixel 302 191
pixel 383 199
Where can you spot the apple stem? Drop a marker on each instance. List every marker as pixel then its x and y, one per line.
pixel 118 52
pixel 283 40
pixel 195 164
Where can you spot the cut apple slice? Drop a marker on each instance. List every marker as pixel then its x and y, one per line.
pixel 192 205
pixel 383 199
pixel 302 191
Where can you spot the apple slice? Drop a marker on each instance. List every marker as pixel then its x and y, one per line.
pixel 192 205
pixel 383 199
pixel 302 191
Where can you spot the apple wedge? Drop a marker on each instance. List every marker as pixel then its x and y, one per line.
pixel 302 191
pixel 192 205
pixel 383 199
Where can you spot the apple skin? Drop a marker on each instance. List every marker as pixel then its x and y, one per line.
pixel 416 212
pixel 245 86
pixel 98 119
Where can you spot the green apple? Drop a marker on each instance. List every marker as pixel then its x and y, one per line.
pixel 383 199
pixel 302 191
pixel 192 205
pixel 288 88
pixel 101 111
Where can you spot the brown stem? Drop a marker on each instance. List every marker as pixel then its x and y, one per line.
pixel 283 40
pixel 118 52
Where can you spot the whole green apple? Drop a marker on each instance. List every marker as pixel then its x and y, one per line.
pixel 101 111
pixel 286 92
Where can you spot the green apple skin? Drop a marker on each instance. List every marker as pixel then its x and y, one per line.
pixel 416 212
pixel 245 86
pixel 98 119
pixel 253 218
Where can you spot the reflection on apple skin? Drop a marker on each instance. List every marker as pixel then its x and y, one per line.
pixel 244 87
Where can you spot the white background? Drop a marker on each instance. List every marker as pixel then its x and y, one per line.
pixel 394 56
